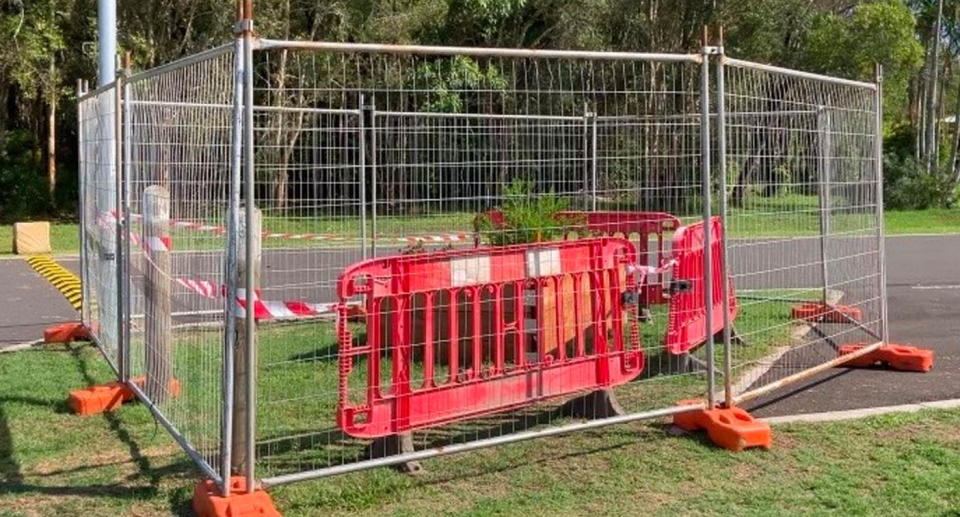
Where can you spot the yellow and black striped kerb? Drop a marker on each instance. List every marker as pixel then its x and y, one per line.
pixel 65 281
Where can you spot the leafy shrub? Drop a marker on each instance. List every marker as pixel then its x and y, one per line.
pixel 527 216
pixel 23 185
pixel 907 186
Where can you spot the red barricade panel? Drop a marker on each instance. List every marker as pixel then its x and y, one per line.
pixel 461 333
pixel 686 327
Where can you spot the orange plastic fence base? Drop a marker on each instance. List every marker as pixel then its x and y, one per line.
pixel 907 358
pixel 107 397
pixel 208 503
pixel 731 428
pixel 820 313
pixel 65 333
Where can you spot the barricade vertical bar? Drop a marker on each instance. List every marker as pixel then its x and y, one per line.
pixel 120 217
pixel 230 271
pixel 722 173
pixel 705 186
pixel 823 181
pixel 250 323
pixel 881 237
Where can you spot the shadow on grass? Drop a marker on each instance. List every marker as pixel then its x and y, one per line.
pixel 14 481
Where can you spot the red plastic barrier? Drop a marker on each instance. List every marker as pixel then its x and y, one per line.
pixel 687 326
pixel 467 332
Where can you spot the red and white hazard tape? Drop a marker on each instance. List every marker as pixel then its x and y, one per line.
pixel 410 239
pixel 262 309
pixel 281 310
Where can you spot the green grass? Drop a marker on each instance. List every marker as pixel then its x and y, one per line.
pixel 53 463
pixel 787 216
pixel 64 238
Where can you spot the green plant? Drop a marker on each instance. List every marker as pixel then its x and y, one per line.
pixel 908 187
pixel 525 216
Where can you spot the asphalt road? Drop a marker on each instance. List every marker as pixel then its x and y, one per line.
pixel 923 288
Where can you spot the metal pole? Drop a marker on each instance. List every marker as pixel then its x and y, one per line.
pixel 120 218
pixel 362 149
pixel 230 269
pixel 457 448
pixel 593 159
pixel 82 204
pixel 823 166
pixel 881 238
pixel 248 155
pixel 107 40
pixel 705 186
pixel 123 260
pixel 373 176
pixel 586 149
pixel 722 172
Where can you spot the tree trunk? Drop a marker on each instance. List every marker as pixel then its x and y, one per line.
pixel 956 143
pixel 52 150
pixel 930 133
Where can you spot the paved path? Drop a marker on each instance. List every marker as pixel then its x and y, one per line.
pixel 923 289
pixel 28 303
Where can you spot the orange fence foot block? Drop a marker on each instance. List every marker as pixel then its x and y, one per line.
pixel 107 397
pixel 731 428
pixel 65 333
pixel 820 313
pixel 906 358
pixel 207 501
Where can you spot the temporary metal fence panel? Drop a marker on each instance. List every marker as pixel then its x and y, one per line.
pixel 381 152
pixel 803 220
pixel 375 158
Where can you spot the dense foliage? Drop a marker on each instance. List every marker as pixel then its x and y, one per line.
pixel 49 44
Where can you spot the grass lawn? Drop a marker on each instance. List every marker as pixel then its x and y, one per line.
pixel 53 463
pixel 773 219
pixel 64 238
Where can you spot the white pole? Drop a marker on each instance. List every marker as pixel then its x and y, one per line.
pixel 107 40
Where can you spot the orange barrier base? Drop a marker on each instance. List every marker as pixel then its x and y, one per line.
pixel 107 397
pixel 65 333
pixel 731 428
pixel 907 358
pixel 815 312
pixel 208 503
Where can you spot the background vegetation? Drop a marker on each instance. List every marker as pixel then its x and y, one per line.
pixel 49 44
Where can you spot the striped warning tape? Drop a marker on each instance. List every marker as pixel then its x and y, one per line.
pixel 109 218
pixel 60 277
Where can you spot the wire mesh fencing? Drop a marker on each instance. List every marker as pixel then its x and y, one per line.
pixel 804 220
pixel 411 251
pixel 97 113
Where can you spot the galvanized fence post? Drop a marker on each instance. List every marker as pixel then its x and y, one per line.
pixel 881 236
pixel 230 275
pixel 82 208
pixel 705 185
pixel 722 189
pixel 251 258
pixel 120 216
pixel 823 181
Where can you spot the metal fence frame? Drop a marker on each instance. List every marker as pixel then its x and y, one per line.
pixel 240 215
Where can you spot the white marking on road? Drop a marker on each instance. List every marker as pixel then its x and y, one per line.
pixel 936 287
